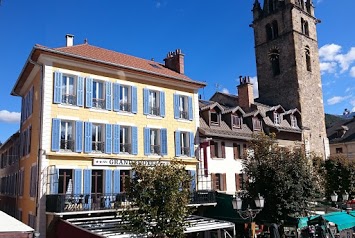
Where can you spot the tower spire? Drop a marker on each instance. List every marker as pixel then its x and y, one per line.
pixel 257 12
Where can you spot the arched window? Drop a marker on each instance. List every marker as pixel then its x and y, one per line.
pixel 308 59
pixel 275 61
pixel 304 27
pixel 271 6
pixel 275 29
pixel 268 32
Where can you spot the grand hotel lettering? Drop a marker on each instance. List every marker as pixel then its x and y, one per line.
pixel 124 162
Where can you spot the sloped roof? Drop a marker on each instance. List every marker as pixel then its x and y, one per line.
pixel 347 129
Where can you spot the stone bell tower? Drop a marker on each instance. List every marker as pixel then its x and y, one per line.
pixel 288 71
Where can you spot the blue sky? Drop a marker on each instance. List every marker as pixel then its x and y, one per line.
pixel 214 35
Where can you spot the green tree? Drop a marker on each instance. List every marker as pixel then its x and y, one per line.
pixel 158 197
pixel 340 175
pixel 285 178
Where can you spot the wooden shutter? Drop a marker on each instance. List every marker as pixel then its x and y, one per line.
pixel 88 137
pixel 237 182
pixel 190 107
pixel 223 182
pixel 177 144
pixel 147 141
pixel 55 135
pixel 134 140
pixel 212 150
pixel 78 136
pixel 145 101
pixel 164 141
pixel 88 100
pixel 108 95
pixel 57 97
pixel 213 181
pixel 223 146
pixel 108 181
pixel 80 92
pixel 116 139
pixel 162 104
pixel 176 106
pixel 134 103
pixel 116 97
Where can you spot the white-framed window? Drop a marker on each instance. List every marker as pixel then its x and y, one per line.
pixel 98 94
pixel 125 98
pixel 154 103
pixel 256 124
pixel 155 144
pixel 67 135
pixel 236 121
pixel 277 118
pixel 125 139
pixel 293 121
pixel 214 118
pixel 185 143
pixel 183 107
pixel 69 90
pixel 97 137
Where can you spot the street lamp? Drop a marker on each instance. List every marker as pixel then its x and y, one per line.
pixel 334 197
pixel 248 213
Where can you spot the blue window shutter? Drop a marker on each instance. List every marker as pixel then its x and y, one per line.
pixel 108 141
pixel 88 101
pixel 176 106
pixel 162 104
pixel 88 139
pixel 193 180
pixel 164 141
pixel 145 101
pixel 116 97
pixel 177 143
pixel 192 144
pixel 77 181
pixel 78 136
pixel 108 181
pixel 146 141
pixel 80 92
pixel 134 140
pixel 87 181
pixel 116 181
pixel 55 134
pixel 116 139
pixel 108 86
pixel 191 111
pixel 134 104
pixel 57 97
pixel 54 180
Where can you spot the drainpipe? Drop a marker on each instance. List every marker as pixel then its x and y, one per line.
pixel 40 151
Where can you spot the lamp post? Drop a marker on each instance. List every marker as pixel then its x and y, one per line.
pixel 248 213
pixel 334 197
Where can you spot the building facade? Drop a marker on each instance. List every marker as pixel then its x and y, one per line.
pixel 87 113
pixel 286 50
pixel 227 124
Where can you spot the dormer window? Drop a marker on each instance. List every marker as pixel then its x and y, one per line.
pixel 236 122
pixel 256 124
pixel 293 121
pixel 214 118
pixel 277 118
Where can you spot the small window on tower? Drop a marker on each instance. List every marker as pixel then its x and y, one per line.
pixel 268 32
pixel 275 29
pixel 308 59
pixel 272 6
pixel 275 62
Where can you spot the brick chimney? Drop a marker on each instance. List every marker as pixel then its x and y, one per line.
pixel 245 93
pixel 175 61
pixel 69 40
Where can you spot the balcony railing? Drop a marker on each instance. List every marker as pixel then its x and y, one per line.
pixel 67 145
pixel 154 111
pixel 88 202
pixel 155 149
pixel 98 103
pixel 184 114
pixel 185 151
pixel 69 99
pixel 125 106
pixel 98 146
pixel 125 148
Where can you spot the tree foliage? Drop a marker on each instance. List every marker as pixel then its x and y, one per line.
pixel 340 175
pixel 158 197
pixel 285 179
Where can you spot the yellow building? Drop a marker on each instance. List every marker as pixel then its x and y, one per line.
pixel 87 112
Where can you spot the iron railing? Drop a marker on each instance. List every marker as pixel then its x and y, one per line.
pixel 98 103
pixel 67 145
pixel 98 146
pixel 69 99
pixel 155 149
pixel 185 151
pixel 154 111
pixel 184 114
pixel 88 202
pixel 125 148
pixel 125 106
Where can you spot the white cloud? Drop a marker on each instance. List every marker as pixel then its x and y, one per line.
pixel 225 90
pixel 353 104
pixel 329 52
pixel 9 117
pixel 328 67
pixel 346 60
pixel 336 99
pixel 352 72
